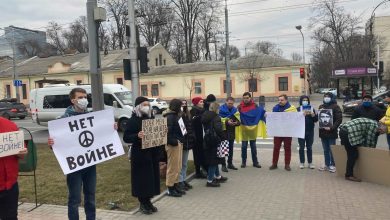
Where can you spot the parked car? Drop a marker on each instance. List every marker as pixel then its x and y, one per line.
pixel 9 109
pixel 325 90
pixel 158 105
pixel 349 107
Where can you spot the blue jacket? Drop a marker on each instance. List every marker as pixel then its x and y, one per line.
pixel 309 120
pixel 69 112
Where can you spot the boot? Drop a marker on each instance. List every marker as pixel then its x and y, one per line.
pixel 172 192
pixel 179 189
pixel 183 186
pixel 152 207
pixel 189 186
pixel 232 167
pixel 224 168
pixel 145 209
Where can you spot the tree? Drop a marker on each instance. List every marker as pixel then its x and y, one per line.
pixel 296 57
pixel 118 10
pixel 264 47
pixel 76 37
pixel 253 75
pixel 54 32
pixel 234 52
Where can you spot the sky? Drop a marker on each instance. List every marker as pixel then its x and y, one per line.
pixel 249 20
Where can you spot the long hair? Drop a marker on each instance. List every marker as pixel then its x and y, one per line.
pixel 214 107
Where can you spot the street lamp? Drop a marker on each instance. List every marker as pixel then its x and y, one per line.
pixel 299 28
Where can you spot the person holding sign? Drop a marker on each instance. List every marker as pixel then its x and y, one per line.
pixel 9 169
pixel 145 171
pixel 311 118
pixel 174 148
pixel 330 118
pixel 283 106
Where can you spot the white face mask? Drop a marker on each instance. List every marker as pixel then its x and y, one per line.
pixel 82 103
pixel 145 109
pixel 327 99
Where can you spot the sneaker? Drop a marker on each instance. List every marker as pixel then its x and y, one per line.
pixel 224 169
pixel 179 189
pixel 221 179
pixel 273 167
pixel 353 179
pixel 323 168
pixel 212 184
pixel 332 169
pixel 287 167
pixel 302 166
pixel 232 167
pixel 257 165
pixel 311 166
pixel 243 165
pixel 172 192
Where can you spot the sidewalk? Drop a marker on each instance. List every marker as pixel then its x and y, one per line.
pixel 253 193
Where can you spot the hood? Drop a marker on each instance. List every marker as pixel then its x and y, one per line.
pixel 333 98
pixel 303 97
pixel 208 116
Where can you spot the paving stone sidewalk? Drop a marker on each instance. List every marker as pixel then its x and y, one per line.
pixel 253 193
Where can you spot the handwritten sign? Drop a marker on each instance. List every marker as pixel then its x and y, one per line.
pixel 85 140
pixel 11 143
pixel 286 124
pixel 155 131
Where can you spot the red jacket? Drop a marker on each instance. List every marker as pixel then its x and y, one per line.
pixel 9 166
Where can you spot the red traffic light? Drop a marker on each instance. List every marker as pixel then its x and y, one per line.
pixel 302 73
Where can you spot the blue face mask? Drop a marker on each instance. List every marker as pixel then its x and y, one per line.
pixel 367 104
pixel 305 103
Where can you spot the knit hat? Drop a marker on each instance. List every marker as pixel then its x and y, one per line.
pixel 196 100
pixel 211 98
pixel 140 100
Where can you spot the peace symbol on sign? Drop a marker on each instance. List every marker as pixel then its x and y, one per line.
pixel 86 139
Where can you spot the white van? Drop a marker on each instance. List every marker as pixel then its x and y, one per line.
pixel 50 102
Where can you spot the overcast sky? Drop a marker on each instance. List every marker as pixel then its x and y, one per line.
pixel 250 20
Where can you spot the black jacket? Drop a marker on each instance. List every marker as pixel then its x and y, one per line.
pixel 189 138
pixel 174 131
pixel 196 123
pixel 372 112
pixel 337 120
pixel 230 132
pixel 212 119
pixel 145 170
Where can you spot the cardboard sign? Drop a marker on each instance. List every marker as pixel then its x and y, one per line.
pixel 85 140
pixel 11 143
pixel 286 124
pixel 182 126
pixel 155 131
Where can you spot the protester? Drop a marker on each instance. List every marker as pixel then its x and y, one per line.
pixel 209 99
pixel 212 123
pixel 311 118
pixel 282 106
pixel 85 178
pixel 196 115
pixel 386 119
pixel 9 170
pixel 229 115
pixel 355 133
pixel 174 148
pixel 367 110
pixel 250 115
pixel 145 170
pixel 328 133
pixel 187 145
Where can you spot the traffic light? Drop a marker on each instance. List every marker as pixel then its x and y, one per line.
pixel 143 59
pixel 380 66
pixel 302 73
pixel 127 69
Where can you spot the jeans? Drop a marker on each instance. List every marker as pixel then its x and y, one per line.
pixel 213 171
pixel 287 150
pixel 9 203
pixel 352 153
pixel 326 143
pixel 85 178
pixel 183 172
pixel 253 151
pixel 388 140
pixel 230 157
pixel 309 139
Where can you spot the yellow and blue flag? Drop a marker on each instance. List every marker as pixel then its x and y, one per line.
pixel 252 123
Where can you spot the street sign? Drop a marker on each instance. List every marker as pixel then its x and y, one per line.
pixel 17 83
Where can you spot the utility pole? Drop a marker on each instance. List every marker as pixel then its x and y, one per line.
pixel 377 68
pixel 14 66
pixel 133 51
pixel 227 53
pixel 94 57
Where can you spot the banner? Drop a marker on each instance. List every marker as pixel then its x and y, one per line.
pixel 85 140
pixel 286 124
pixel 155 132
pixel 11 143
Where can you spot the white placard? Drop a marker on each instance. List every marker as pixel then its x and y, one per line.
pixel 286 124
pixel 11 143
pixel 182 126
pixel 85 140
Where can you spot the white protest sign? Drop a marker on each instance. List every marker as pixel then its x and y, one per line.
pixel 85 140
pixel 286 124
pixel 182 127
pixel 155 132
pixel 11 143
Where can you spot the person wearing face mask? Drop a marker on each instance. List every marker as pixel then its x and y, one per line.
pixel 329 134
pixel 386 119
pixel 174 148
pixel 145 171
pixel 311 118
pixel 368 110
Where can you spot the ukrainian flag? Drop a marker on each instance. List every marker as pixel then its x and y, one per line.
pixel 252 124
pixel 225 113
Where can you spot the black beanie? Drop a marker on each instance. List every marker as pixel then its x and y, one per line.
pixel 140 100
pixel 211 98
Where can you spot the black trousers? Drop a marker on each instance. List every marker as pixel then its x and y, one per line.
pixel 352 153
pixel 9 203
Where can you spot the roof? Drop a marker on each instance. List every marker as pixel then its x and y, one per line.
pixel 253 61
pixel 79 63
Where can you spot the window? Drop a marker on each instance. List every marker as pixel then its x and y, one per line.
pixel 155 90
pixel 198 87
pixel 165 62
pixel 24 91
pixel 8 91
pixel 160 59
pixel 283 83
pixel 79 82
pixel 119 81
pixel 40 85
pixel 156 61
pixel 109 99
pixel 61 101
pixel 225 86
pixel 144 90
pixel 252 85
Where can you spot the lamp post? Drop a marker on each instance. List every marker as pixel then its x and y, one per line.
pixel 299 28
